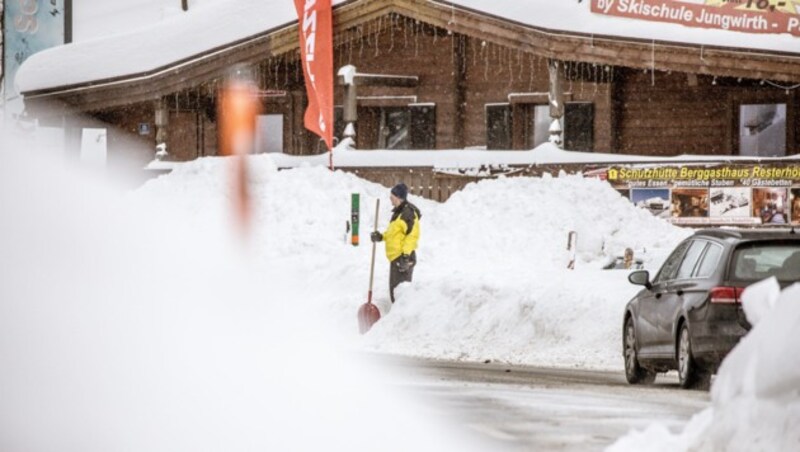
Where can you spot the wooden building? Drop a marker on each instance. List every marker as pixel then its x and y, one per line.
pixel 476 80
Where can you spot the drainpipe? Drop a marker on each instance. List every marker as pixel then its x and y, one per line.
pixel 185 5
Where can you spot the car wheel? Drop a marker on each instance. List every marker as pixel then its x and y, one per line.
pixel 689 375
pixel 634 373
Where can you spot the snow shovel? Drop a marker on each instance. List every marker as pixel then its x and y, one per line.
pixel 368 313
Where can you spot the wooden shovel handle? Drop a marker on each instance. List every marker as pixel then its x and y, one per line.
pixel 372 263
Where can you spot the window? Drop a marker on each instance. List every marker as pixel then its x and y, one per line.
pixel 710 261
pixel 423 126
pixel 269 133
pixel 690 261
pixel 541 125
pixel 762 130
pixel 498 126
pixel 93 147
pixel 394 130
pixel 761 260
pixel 407 127
pixel 578 125
pixel 669 268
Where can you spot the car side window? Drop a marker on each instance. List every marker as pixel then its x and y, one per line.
pixel 690 259
pixel 669 268
pixel 710 261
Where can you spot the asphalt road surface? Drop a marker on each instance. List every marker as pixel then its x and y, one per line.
pixel 531 409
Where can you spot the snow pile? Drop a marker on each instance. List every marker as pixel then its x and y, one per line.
pixel 756 395
pixel 491 281
pixel 125 330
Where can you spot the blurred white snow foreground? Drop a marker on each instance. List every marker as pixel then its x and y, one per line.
pixel 756 395
pixel 126 331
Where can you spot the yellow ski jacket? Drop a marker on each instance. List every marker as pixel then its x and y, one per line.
pixel 402 234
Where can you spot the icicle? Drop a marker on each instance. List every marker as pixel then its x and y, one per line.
pixel 532 63
pixel 350 52
pixel 377 43
pixel 361 41
pixel 486 64
pixel 286 72
pixel 596 81
pixel 519 63
pixel 405 32
pixel 416 39
pixel 510 70
pixel 299 68
pixel 391 34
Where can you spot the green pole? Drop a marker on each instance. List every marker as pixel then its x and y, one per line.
pixel 354 218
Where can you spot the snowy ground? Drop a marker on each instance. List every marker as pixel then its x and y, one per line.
pixel 491 282
pixel 134 318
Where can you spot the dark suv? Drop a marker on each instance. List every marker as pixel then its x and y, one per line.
pixel 690 315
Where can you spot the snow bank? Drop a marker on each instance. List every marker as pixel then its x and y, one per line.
pixel 756 395
pixel 124 328
pixel 491 281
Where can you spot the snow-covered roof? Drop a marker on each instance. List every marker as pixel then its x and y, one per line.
pixel 214 24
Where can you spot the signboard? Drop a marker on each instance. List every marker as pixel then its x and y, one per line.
pixel 749 16
pixel 701 194
pixel 30 26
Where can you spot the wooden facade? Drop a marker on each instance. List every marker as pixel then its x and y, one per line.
pixel 479 78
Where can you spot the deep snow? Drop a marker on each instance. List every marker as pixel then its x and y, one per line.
pixel 141 320
pixel 491 282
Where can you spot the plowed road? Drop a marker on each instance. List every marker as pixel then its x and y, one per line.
pixel 531 409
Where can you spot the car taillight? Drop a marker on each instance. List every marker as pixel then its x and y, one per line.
pixel 726 295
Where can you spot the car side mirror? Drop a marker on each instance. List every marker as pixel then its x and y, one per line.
pixel 641 278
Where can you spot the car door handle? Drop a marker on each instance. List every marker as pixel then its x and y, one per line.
pixel 658 295
pixel 679 292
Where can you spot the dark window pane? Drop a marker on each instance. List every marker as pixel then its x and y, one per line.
pixel 394 130
pixel 423 126
pixel 498 126
pixel 579 126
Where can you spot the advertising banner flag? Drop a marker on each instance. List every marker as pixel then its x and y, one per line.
pixel 749 16
pixel 30 26
pixel 315 19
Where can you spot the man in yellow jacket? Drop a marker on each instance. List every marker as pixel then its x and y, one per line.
pixel 401 237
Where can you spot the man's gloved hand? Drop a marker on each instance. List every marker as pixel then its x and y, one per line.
pixel 404 263
pixel 376 236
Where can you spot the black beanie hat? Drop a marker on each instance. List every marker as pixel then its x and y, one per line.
pixel 400 190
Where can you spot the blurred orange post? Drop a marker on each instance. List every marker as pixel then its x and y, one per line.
pixel 237 110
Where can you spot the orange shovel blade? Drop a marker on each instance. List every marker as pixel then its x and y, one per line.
pixel 368 314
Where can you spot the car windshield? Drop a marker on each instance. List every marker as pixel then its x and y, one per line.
pixel 754 262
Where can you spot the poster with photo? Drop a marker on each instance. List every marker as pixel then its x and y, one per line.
pixel 771 205
pixel 690 202
pixel 654 200
pixel 730 202
pixel 795 200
